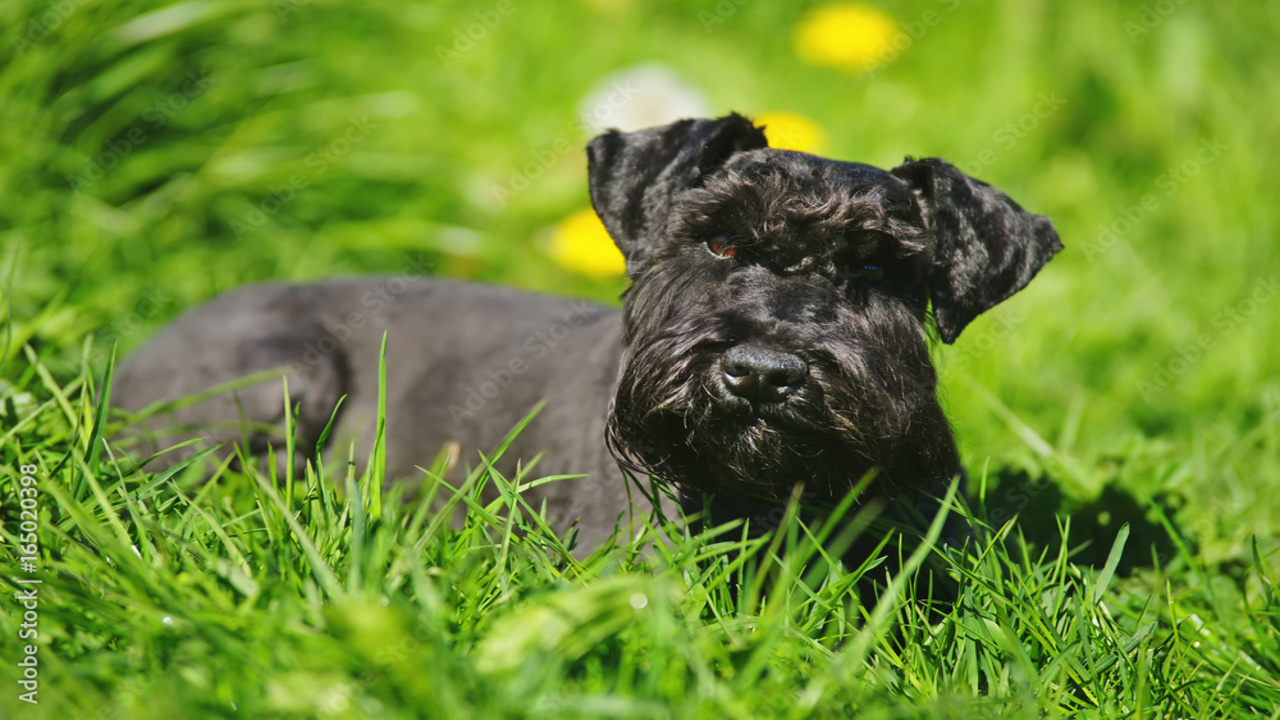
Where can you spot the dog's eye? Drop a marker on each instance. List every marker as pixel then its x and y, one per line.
pixel 869 274
pixel 720 247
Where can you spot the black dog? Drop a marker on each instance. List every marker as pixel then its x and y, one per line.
pixel 774 334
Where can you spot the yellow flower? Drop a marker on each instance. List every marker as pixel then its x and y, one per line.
pixel 581 243
pixel 851 37
pixel 789 131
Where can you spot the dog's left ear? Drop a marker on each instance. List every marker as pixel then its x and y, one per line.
pixel 986 247
pixel 636 176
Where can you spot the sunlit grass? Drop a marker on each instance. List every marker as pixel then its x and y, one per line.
pixel 166 594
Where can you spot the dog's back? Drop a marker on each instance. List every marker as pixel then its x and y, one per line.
pixel 465 364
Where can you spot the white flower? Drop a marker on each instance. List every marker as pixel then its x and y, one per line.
pixel 639 97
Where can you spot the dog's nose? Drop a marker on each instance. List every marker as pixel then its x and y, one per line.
pixel 762 375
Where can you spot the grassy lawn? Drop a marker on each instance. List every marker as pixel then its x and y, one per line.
pixel 1120 418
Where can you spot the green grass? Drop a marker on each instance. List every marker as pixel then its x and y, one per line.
pixel 1125 407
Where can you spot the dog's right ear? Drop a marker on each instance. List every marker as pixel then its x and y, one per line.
pixel 635 177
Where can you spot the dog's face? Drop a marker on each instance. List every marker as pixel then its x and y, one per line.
pixel 775 330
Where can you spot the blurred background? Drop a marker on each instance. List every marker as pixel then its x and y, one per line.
pixel 153 155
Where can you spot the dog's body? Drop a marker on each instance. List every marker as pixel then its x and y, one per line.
pixel 465 363
pixel 774 334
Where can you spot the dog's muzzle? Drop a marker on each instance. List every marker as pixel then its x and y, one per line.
pixel 762 375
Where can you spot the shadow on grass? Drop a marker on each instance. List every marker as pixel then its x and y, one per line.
pixel 1040 505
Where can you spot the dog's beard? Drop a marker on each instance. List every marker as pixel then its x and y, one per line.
pixel 670 420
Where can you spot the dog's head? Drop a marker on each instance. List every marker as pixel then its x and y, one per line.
pixel 775 327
